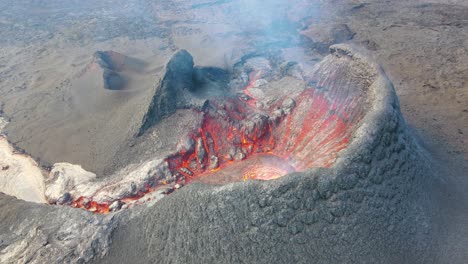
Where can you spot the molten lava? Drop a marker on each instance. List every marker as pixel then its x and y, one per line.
pixel 264 173
pixel 237 141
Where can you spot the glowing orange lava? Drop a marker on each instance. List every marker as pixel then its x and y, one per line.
pixel 264 172
pixel 235 139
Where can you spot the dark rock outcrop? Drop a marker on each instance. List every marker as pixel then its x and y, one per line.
pixel 169 96
pixel 112 80
pixel 210 81
pixel 115 67
pixel 111 63
pixel 183 86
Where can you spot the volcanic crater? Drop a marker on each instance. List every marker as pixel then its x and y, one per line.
pixel 264 141
pixel 314 148
pixel 269 118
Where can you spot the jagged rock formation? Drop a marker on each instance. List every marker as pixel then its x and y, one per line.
pixel 183 86
pixel 110 62
pixel 169 93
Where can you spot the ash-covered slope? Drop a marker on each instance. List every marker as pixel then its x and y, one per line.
pixel 89 116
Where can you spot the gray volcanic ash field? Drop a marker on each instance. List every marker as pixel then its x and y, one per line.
pixel 188 131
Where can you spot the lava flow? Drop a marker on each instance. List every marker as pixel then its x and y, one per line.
pixel 237 141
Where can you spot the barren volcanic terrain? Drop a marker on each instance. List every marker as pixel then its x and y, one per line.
pixel 233 131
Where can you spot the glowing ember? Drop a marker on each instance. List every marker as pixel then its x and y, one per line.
pixel 85 203
pixel 264 173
